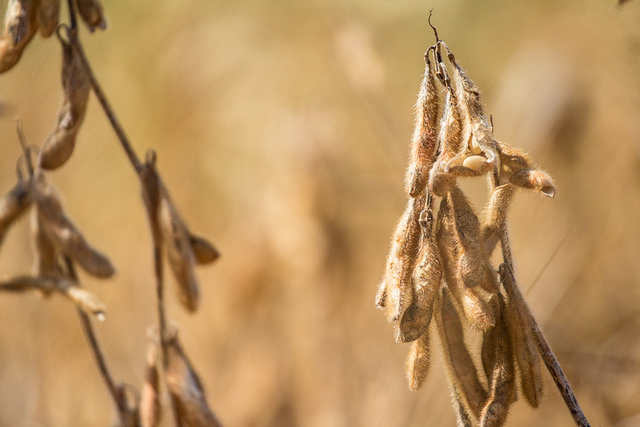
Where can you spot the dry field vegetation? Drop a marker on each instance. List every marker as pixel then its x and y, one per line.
pixel 282 131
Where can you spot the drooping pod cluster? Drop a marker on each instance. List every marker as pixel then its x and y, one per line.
pixel 438 266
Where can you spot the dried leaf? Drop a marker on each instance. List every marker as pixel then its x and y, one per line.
pixel 59 145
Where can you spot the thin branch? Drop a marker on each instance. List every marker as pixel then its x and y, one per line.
pixel 87 327
pixel 550 360
pixel 102 98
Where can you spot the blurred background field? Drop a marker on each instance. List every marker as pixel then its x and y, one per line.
pixel 282 132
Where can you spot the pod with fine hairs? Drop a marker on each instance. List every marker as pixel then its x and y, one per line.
pixel 59 145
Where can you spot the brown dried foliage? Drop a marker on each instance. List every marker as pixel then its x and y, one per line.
pixel 444 270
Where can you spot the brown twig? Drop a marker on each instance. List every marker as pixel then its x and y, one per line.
pixel 87 327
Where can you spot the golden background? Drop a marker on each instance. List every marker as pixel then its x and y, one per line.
pixel 282 131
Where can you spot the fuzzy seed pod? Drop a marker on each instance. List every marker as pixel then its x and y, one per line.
pixel 449 141
pixel 496 216
pixel 186 389
pixel 398 291
pixel 535 180
pixel 177 245
pixel 424 141
pixel 20 26
pixel 13 205
pixel 497 360
pixel 203 250
pixel 64 234
pixel 525 350
pixel 426 282
pixel 150 405
pixel 461 372
pixel 466 273
pixel 92 14
pixel 417 366
pixel 59 145
pixel 48 16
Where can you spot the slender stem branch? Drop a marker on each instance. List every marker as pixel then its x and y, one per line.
pixel 550 360
pixel 102 98
pixel 87 327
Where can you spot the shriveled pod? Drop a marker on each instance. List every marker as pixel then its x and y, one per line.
pixel 177 245
pixel 496 216
pixel 515 168
pixel 21 25
pixel 461 371
pixel 425 135
pixel 497 361
pixel 92 14
pixel 13 205
pixel 203 250
pixel 465 270
pixel 186 388
pixel 59 145
pixel 396 291
pixel 64 234
pixel 48 16
pixel 426 281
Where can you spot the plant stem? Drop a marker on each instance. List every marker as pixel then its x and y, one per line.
pixel 550 360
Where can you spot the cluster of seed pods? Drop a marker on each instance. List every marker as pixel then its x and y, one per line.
pixel 438 265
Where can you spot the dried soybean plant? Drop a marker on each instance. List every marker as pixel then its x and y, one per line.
pixel 438 266
pixel 59 245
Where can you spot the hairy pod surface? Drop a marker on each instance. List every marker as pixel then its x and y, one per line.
pixel 426 281
pixel 59 145
pixel 20 26
pixel 398 290
pixel 417 367
pixel 64 234
pixel 465 271
pixel 449 141
pixel 496 216
pixel 461 372
pixel 497 360
pixel 425 135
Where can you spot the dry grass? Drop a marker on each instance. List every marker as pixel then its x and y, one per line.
pixel 282 132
